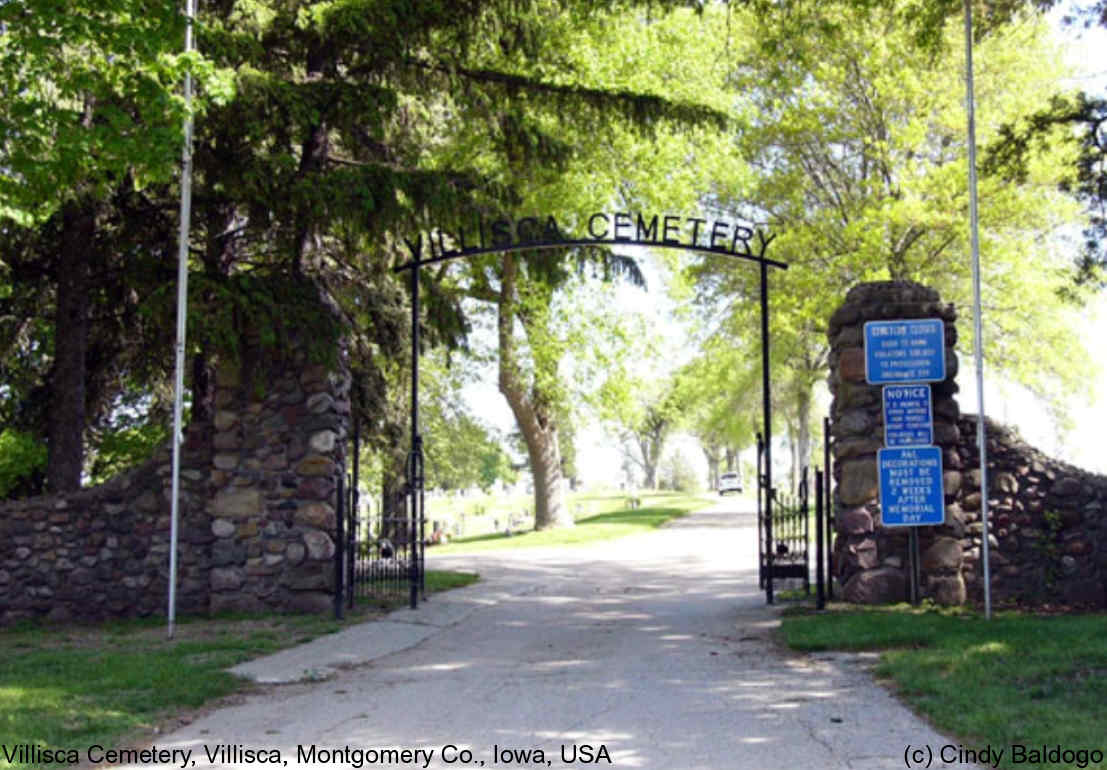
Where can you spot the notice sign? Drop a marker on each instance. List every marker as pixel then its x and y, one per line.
pixel 908 415
pixel 911 493
pixel 905 351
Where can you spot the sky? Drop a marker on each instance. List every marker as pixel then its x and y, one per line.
pixel 599 460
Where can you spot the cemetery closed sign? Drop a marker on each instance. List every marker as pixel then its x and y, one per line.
pixel 905 351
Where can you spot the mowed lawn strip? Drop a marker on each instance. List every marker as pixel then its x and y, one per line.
pixel 1018 680
pixel 77 686
pixel 614 520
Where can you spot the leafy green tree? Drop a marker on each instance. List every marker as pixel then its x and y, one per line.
pixel 495 465
pixel 332 130
pixel 22 463
pixel 123 448
pixel 722 393
pixel 461 451
pixel 678 474
pixel 857 149
pixel 645 411
pixel 426 114
pixel 1025 136
pixel 539 320
pixel 635 109
pixel 1022 141
pixel 88 117
pixel 1010 154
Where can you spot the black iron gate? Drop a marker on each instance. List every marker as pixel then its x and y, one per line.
pixel 379 557
pixel 784 522
pixel 782 530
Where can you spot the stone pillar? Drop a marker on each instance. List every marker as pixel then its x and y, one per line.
pixel 871 559
pixel 281 428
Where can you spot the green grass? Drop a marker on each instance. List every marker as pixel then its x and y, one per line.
pixel 612 520
pixel 792 594
pixel 444 580
pixel 473 516
pixel 1016 679
pixel 479 512
pixel 581 503
pixel 75 686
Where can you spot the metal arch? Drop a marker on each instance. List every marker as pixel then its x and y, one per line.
pixel 415 465
pixel 539 245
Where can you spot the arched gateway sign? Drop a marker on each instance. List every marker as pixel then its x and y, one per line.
pixel 609 229
pixel 619 228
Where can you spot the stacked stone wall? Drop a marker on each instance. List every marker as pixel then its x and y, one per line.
pixel 257 514
pixel 1046 542
pixel 104 551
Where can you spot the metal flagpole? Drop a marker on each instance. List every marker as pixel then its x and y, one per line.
pixel 182 316
pixel 978 345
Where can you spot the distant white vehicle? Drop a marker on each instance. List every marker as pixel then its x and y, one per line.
pixel 730 482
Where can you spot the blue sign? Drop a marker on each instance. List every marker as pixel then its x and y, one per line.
pixel 911 492
pixel 905 351
pixel 908 415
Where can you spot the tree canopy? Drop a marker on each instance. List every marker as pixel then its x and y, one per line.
pixel 857 160
pixel 329 131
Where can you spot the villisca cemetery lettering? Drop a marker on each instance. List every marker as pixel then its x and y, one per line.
pixel 481 236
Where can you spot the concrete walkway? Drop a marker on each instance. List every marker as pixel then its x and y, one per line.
pixel 653 652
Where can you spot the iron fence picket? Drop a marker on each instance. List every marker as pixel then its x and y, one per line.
pixel 339 551
pixel 784 542
pixel 820 513
pixel 828 503
pixel 761 534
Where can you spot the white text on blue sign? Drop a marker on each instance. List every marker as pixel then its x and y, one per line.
pixel 905 351
pixel 908 415
pixel 911 489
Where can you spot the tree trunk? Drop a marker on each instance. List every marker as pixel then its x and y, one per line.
pixel 712 456
pixel 731 456
pixel 65 459
pixel 314 151
pixel 534 418
pixel 393 458
pixel 803 429
pixel 218 256
pixel 793 451
pixel 393 524
pixel 550 510
pixel 202 390
pixel 649 462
